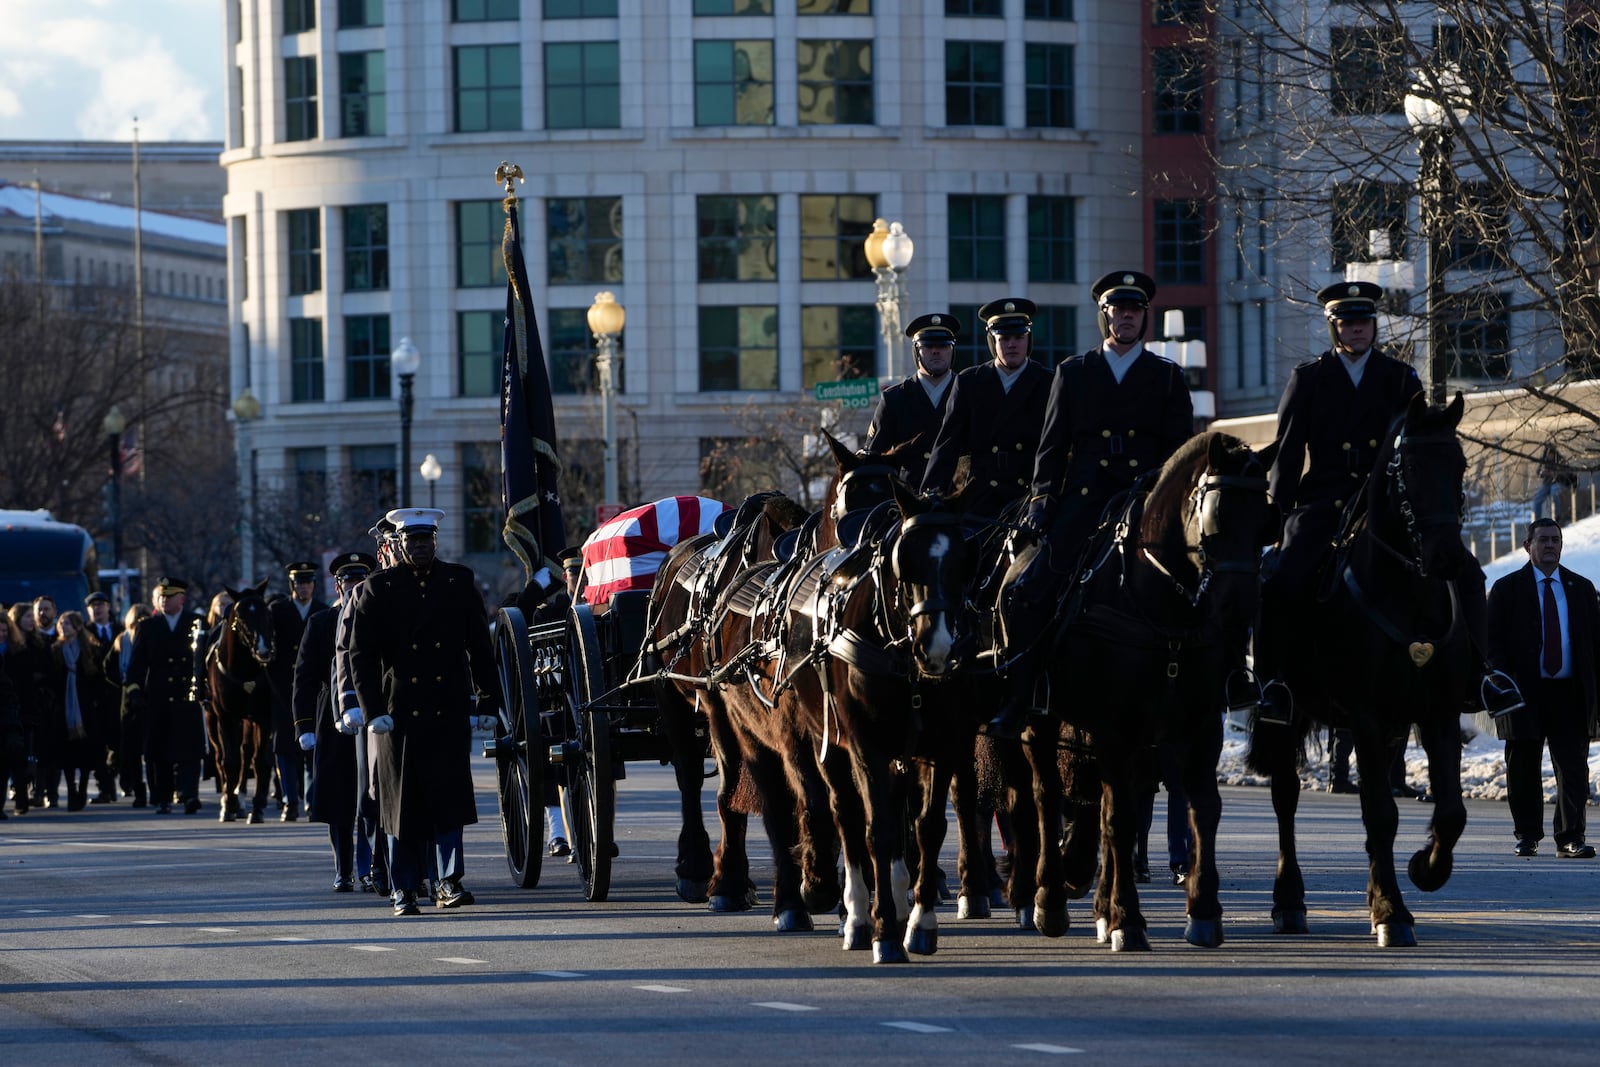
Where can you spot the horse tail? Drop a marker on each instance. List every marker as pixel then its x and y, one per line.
pixel 1276 747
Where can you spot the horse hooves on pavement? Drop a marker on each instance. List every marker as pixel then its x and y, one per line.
pixel 1429 877
pixel 1206 933
pixel 920 942
pixel 693 892
pixel 889 952
pixel 1396 935
pixel 1024 917
pixel 793 921
pixel 1102 931
pixel 255 817
pixel 1052 922
pixel 727 902
pixel 972 907
pixel 858 938
pixel 1129 941
pixel 1289 921
pixel 1078 892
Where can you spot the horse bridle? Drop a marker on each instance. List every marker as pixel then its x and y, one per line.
pixel 250 639
pixel 928 520
pixel 1207 564
pixel 1415 524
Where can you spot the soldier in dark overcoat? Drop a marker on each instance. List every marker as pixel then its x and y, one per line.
pixel 994 415
pixel 1115 413
pixel 103 699
pixel 289 617
pixel 321 731
pixel 420 651
pixel 160 684
pixel 910 412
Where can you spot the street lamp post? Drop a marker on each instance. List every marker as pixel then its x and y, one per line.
pixel 1432 114
pixel 606 317
pixel 431 470
pixel 246 410
pixel 1191 356
pixel 405 359
pixel 114 423
pixel 889 250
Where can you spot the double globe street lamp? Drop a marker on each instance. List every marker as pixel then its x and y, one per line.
pixel 606 318
pixel 1434 109
pixel 888 250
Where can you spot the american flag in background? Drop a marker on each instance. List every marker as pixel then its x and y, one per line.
pixel 626 552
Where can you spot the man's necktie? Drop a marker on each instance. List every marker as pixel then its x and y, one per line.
pixel 1552 631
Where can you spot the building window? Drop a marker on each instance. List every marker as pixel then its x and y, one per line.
pixel 977 238
pixel 738 238
pixel 480 497
pixel 241 237
pixel 733 7
pixel 971 346
pixel 485 10
pixel 584 240
pixel 480 225
pixel 1477 330
pixel 974 83
pixel 299 16
pixel 1052 239
pixel 308 467
pixel 354 14
pixel 580 9
pixel 1179 96
pixel 366 357
pixel 488 88
pixel 1367 69
pixel 1180 242
pixel 986 8
pixel 1048 68
pixel 838 342
pixel 582 86
pixel 733 83
pixel 835 82
pixel 305 251
pixel 1179 12
pixel 372 478
pixel 570 354
pixel 300 98
pixel 480 339
pixel 366 247
pixel 1055 334
pixel 1048 9
pixel 362 111
pixel 833 236
pixel 738 348
pixel 305 360
pixel 833 7
pixel 1358 208
pixel 1480 229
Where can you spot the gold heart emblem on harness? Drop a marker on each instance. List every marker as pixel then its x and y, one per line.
pixel 1421 652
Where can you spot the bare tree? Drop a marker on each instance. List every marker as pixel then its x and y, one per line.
pixel 778 447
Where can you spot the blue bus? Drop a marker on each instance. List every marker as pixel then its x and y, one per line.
pixel 42 557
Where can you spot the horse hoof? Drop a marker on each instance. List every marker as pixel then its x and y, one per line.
pixel 997 898
pixel 889 952
pixel 255 818
pixel 1396 935
pixel 692 892
pixel 1102 931
pixel 920 942
pixel 972 907
pixel 1024 917
pixel 1206 933
pixel 793 921
pixel 1052 922
pixel 821 898
pixel 1430 877
pixel 1289 921
pixel 1077 892
pixel 228 816
pixel 1129 941
pixel 857 938
pixel 723 902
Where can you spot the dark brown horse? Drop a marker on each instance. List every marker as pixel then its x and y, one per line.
pixel 236 671
pixel 1385 647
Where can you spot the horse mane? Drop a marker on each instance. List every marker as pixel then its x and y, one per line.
pixel 1172 484
pixel 783 513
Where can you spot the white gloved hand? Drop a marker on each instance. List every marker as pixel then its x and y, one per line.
pixel 308 742
pixel 348 726
pixel 382 724
pixel 488 722
pixel 353 715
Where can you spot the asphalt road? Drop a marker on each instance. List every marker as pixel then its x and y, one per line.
pixel 127 937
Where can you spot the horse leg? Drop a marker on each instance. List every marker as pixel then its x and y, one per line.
pixel 730 888
pixel 1430 866
pixel 230 736
pixel 781 818
pixel 1049 895
pixel 850 818
pixel 1025 818
pixel 972 857
pixel 1288 887
pixel 884 797
pixel 1198 773
pixel 1391 922
pixel 258 747
pixel 1126 921
pixel 693 869
pixel 929 826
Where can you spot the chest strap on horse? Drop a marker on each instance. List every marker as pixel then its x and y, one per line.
pixel 1413 641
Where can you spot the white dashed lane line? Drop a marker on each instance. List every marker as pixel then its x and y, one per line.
pixel 288 938
pixel 919 1028
pixel 93 916
pixel 662 988
pixel 1059 1050
pixel 371 948
pixel 152 922
pixel 219 929
pixel 457 959
pixel 781 1005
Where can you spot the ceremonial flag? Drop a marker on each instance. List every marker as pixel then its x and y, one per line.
pixel 626 552
pixel 528 463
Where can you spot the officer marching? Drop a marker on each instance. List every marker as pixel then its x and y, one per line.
pixel 910 412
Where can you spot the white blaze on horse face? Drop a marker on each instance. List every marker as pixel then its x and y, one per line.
pixel 936 646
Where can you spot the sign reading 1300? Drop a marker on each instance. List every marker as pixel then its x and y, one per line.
pixel 849 392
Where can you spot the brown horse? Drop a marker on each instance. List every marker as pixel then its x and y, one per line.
pixel 236 671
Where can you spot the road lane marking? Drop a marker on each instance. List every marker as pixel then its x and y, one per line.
pixel 919 1028
pixel 152 922
pixel 291 939
pixel 457 959
pixel 662 988
pixel 36 911
pixel 560 974
pixel 1060 1050
pixel 780 1005
pixel 93 916
pixel 219 929
pixel 372 948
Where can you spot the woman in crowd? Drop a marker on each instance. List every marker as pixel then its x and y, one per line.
pixel 79 680
pixel 30 675
pixel 131 773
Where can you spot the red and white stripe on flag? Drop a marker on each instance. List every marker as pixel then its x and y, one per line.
pixel 626 552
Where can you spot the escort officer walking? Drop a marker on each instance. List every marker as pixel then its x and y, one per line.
pixel 1115 413
pixel 159 685
pixel 994 414
pixel 419 648
pixel 910 412
pixel 289 617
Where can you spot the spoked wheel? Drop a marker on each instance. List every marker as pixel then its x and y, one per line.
pixel 519 751
pixel 591 788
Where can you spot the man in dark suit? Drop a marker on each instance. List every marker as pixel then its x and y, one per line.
pixel 159 687
pixel 289 617
pixel 1544 631
pixel 910 412
pixel 101 704
pixel 993 415
pixel 419 649
pixel 1114 413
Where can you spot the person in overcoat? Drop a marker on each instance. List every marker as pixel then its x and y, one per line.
pixel 103 698
pixel 1544 631
pixel 289 618
pixel 160 683
pixel 420 652
pixel 910 412
pixel 993 415
pixel 132 758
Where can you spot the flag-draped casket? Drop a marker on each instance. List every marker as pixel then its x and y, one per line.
pixel 626 552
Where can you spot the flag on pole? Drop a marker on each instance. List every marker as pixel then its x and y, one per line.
pixel 528 463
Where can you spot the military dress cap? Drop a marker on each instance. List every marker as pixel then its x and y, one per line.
pixel 303 569
pixel 168 586
pixel 415 518
pixel 570 558
pixel 381 530
pixel 96 598
pixel 1124 287
pixel 939 328
pixel 1350 300
pixel 1011 314
pixel 352 564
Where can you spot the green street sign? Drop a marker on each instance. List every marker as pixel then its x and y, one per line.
pixel 849 392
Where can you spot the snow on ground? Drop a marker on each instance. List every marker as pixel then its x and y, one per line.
pixel 1483 762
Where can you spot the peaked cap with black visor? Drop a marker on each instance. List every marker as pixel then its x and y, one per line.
pixel 1123 287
